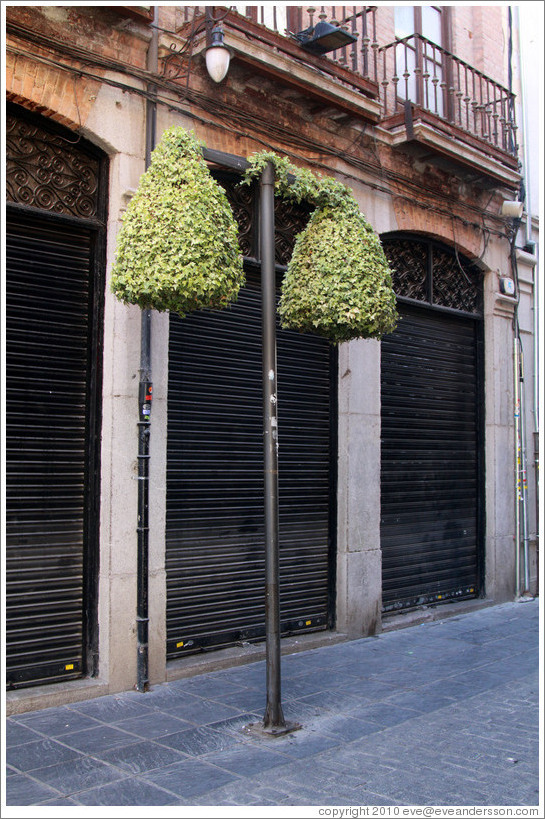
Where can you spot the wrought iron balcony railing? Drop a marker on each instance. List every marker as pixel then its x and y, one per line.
pixel 417 70
pixel 412 69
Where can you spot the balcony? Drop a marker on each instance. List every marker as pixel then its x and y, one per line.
pixel 419 93
pixel 430 96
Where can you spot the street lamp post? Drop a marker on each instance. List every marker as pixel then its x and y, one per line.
pixel 273 722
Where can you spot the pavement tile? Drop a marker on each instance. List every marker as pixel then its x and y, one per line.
pixel 151 726
pixel 201 712
pixel 160 697
pixel 55 722
pixel 32 755
pixel 129 791
pixel 371 689
pixel 334 700
pixel 18 734
pixel 304 684
pixel 190 778
pixel 301 712
pixel 236 725
pixel 244 699
pixel 22 790
pixel 249 676
pixel 197 741
pixel 207 685
pixel 142 756
pixel 94 740
pixel 423 702
pixel 77 775
pixel 343 728
pixel 301 744
pixel 60 801
pixel 245 760
pixel 450 687
pixel 111 709
pixel 385 714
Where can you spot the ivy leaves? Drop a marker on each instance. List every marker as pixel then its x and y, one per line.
pixel 177 248
pixel 338 283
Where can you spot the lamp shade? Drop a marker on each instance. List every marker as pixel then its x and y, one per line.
pixel 512 209
pixel 218 56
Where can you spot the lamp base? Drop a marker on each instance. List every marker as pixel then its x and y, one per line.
pixel 258 729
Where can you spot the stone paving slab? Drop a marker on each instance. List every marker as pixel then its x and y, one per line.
pixel 441 713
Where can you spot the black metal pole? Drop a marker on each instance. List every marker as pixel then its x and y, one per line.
pixel 274 723
pixel 144 419
pixel 274 717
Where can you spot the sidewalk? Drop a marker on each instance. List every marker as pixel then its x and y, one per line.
pixel 444 713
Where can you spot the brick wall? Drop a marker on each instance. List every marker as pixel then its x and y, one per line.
pixel 480 39
pixel 50 90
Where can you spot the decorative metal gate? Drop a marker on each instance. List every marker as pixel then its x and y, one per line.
pixel 53 315
pixel 431 473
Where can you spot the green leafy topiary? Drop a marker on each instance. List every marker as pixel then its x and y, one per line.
pixel 177 248
pixel 338 283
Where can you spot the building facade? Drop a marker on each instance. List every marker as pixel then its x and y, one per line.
pixel 407 467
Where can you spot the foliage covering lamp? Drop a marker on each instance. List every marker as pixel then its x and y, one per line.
pixel 177 248
pixel 338 282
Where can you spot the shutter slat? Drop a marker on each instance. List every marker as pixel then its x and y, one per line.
pixel 47 343
pixel 215 521
pixel 429 469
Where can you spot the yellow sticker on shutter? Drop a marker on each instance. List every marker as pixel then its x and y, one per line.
pixel 179 645
pixel 69 667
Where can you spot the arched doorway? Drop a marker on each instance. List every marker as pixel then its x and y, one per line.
pixel 56 210
pixel 432 429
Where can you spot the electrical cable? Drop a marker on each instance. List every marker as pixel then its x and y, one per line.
pixel 241 118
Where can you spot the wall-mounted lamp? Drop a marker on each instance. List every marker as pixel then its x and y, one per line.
pixel 178 63
pixel 512 209
pixel 324 37
pixel 218 56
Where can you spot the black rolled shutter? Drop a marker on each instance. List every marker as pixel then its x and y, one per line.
pixel 215 523
pixel 430 459
pixel 48 327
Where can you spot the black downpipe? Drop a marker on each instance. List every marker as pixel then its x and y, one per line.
pixel 145 392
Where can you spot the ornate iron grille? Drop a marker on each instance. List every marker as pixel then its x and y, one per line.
pixel 242 201
pixel 455 284
pixel 44 170
pixel 290 219
pixel 409 264
pixel 424 272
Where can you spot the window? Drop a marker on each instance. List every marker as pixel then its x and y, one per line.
pixel 421 65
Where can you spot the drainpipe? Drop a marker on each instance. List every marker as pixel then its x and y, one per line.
pixel 145 391
pixel 518 488
pixel 531 247
pixel 524 479
pixel 520 389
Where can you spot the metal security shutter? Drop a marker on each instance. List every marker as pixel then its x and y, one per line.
pixel 430 459
pixel 48 331
pixel 215 523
